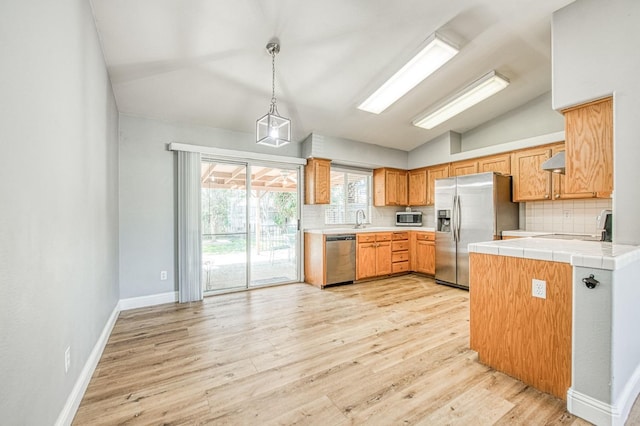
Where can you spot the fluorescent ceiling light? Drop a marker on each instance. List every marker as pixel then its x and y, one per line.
pixel 486 86
pixel 434 55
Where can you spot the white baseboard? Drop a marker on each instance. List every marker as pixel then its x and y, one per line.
pixel 151 300
pixel 601 413
pixel 75 397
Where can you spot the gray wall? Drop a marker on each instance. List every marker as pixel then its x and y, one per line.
pixel 534 118
pixel 59 214
pixel 595 53
pixel 353 153
pixel 147 196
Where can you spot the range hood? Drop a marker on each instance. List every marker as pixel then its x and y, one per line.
pixel 555 164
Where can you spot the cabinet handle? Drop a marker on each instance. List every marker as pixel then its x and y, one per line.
pixel 546 196
pixel 557 196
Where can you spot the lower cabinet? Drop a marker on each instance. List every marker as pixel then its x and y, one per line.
pixel 424 252
pixel 386 253
pixel 373 255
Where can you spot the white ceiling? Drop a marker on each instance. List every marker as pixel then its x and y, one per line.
pixel 204 61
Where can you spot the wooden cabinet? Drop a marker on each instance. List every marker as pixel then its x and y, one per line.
pixel 317 175
pixel 500 163
pixel 373 255
pixel 433 173
pixel 530 182
pixel 560 183
pixel 423 252
pixel 400 252
pixel 461 168
pixel 589 147
pixel 389 187
pixel 418 187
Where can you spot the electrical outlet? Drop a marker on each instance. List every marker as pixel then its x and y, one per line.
pixel 539 288
pixel 567 214
pixel 163 275
pixel 67 359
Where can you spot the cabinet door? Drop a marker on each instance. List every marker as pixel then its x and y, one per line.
pixel 317 174
pixel 589 145
pixel 500 163
pixel 383 258
pixel 433 173
pixel 560 186
pixel 366 263
pixel 401 188
pixel 425 258
pixel 391 187
pixel 461 168
pixel 530 182
pixel 418 187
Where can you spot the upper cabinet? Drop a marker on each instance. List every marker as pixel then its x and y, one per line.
pixel 589 147
pixel 461 168
pixel 418 187
pixel 433 173
pixel 500 163
pixel 317 181
pixel 560 191
pixel 389 187
pixel 530 182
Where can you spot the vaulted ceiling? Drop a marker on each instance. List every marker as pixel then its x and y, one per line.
pixel 204 61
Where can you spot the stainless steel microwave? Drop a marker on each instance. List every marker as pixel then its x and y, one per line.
pixel 408 218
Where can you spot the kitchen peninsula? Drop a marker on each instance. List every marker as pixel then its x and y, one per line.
pixel 560 316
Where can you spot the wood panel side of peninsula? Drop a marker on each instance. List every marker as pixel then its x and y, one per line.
pixel 524 336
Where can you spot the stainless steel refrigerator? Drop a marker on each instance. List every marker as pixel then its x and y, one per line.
pixel 469 209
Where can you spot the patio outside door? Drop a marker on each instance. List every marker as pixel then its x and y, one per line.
pixel 250 233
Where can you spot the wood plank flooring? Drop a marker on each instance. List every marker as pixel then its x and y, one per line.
pixel 388 352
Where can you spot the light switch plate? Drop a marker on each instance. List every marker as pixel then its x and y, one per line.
pixel 539 288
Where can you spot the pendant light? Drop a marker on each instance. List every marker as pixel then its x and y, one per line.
pixel 273 129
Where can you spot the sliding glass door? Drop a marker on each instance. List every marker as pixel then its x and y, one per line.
pixel 250 234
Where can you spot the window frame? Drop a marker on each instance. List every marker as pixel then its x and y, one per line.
pixel 330 210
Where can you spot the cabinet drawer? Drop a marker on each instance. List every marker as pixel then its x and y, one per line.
pixel 400 256
pixel 426 236
pixel 399 245
pixel 366 238
pixel 383 237
pixel 400 236
pixel 400 267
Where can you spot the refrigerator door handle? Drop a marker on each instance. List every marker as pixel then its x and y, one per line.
pixel 454 225
pixel 458 218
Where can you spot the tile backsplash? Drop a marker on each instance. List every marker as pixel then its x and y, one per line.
pixel 313 216
pixel 566 216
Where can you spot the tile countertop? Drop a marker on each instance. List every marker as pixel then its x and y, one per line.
pixel 590 254
pixel 369 229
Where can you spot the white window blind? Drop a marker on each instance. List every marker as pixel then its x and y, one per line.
pixel 350 191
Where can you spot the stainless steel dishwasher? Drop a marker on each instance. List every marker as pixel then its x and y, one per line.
pixel 340 252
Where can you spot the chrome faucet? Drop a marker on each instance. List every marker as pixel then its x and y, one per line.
pixel 360 217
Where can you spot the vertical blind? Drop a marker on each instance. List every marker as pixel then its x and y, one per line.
pixel 189 243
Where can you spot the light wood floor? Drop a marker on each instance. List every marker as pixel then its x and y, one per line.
pixel 387 352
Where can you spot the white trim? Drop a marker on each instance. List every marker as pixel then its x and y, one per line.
pixel 150 300
pixel 75 397
pixel 628 396
pixel 235 155
pixel 593 410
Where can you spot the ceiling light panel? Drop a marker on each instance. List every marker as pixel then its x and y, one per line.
pixel 435 54
pixel 481 89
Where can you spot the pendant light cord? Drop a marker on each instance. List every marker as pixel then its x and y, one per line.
pixel 273 80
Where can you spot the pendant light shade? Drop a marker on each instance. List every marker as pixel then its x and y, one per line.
pixel 272 129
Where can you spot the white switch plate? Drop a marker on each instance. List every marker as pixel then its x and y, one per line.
pixel 163 275
pixel 539 288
